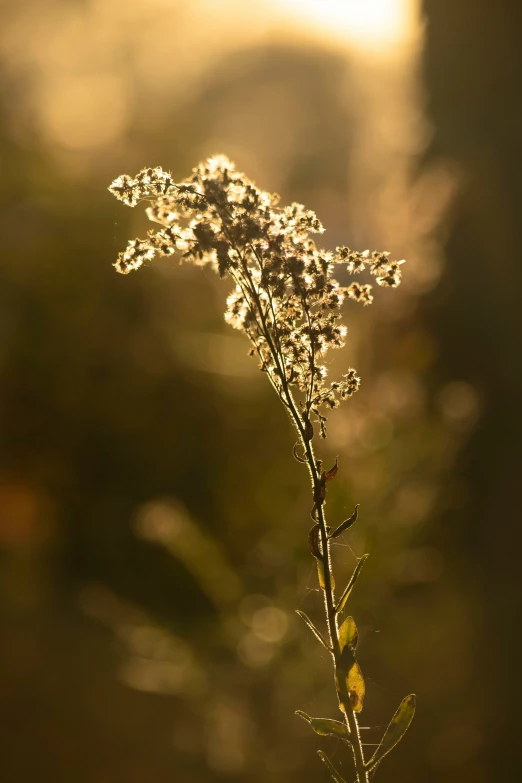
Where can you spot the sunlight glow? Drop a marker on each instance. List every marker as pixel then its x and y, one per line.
pixel 369 24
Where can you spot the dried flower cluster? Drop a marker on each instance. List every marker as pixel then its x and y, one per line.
pixel 287 301
pixel 285 297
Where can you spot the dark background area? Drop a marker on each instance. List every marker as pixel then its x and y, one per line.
pixel 478 114
pixel 153 524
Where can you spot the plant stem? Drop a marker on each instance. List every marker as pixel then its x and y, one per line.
pixel 331 620
pixel 329 598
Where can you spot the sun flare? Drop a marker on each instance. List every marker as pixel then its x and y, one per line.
pixel 363 23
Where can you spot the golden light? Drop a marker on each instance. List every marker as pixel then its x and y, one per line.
pixel 366 24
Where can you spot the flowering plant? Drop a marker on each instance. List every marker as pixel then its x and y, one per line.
pixel 287 301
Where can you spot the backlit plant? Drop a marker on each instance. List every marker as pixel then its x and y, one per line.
pixel 287 301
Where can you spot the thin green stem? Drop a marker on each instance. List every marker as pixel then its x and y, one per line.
pixel 331 620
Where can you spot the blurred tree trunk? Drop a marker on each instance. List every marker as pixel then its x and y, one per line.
pixel 473 72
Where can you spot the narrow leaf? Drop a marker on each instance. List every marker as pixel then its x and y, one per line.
pixel 330 767
pixel 332 473
pixel 351 583
pixel 348 636
pixel 325 727
pixel 396 730
pixel 318 635
pixel 346 524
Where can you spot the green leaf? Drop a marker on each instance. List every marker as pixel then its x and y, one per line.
pixel 396 730
pixel 348 635
pixel 330 767
pixel 318 635
pixel 349 587
pixel 325 726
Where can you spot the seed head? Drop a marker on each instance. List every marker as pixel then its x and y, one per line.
pixel 284 297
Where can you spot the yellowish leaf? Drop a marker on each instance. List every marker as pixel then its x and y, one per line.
pixel 396 730
pixel 348 635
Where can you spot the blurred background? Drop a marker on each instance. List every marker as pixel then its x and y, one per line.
pixel 153 523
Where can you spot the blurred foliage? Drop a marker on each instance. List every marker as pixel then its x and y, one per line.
pixel 152 518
